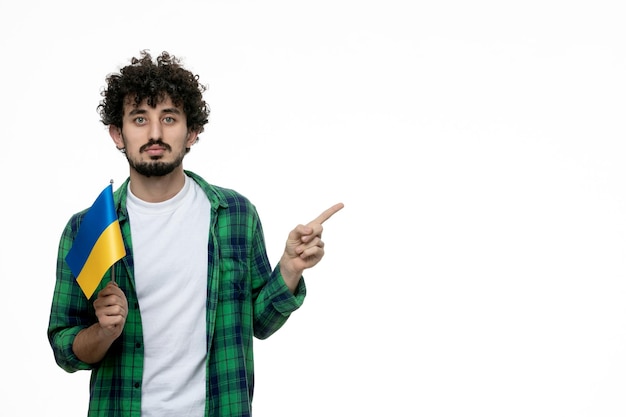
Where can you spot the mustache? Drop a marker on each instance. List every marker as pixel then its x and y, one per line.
pixel 153 142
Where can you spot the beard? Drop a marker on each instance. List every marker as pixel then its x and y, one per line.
pixel 155 167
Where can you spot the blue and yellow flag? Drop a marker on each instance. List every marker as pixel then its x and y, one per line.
pixel 98 243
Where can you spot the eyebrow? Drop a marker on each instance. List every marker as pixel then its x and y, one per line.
pixel 169 110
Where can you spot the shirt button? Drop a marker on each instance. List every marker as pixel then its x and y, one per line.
pixel 137 384
pixel 138 345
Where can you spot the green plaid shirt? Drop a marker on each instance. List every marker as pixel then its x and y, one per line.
pixel 245 299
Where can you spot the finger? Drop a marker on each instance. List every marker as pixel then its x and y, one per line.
pixel 110 289
pixel 315 242
pixel 299 231
pixel 327 213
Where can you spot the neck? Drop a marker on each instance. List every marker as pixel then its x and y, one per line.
pixel 157 189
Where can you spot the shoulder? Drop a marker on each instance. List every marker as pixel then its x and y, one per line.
pixel 222 197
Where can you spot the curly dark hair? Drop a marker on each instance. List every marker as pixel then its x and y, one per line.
pixel 145 79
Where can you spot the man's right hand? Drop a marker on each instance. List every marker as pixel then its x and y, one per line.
pixel 111 309
pixel 91 344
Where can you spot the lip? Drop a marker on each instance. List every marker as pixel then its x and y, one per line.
pixel 155 150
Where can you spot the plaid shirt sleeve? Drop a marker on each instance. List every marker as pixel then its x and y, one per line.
pixel 71 311
pixel 272 299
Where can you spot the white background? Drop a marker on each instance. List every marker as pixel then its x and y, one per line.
pixel 478 267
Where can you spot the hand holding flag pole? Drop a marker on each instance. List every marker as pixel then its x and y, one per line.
pixel 98 243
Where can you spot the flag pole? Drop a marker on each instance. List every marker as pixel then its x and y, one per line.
pixel 112 266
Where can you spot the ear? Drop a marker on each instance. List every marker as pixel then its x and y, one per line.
pixel 116 135
pixel 192 137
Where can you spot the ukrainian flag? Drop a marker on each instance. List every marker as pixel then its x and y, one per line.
pixel 98 243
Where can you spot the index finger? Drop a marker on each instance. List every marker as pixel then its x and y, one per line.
pixel 327 213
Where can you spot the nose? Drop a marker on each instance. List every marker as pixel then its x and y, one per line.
pixel 156 130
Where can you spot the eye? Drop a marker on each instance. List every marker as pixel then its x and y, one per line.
pixel 140 120
pixel 169 120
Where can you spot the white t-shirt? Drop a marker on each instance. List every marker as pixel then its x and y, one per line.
pixel 170 241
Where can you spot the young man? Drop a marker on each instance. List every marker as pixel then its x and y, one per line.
pixel 173 335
